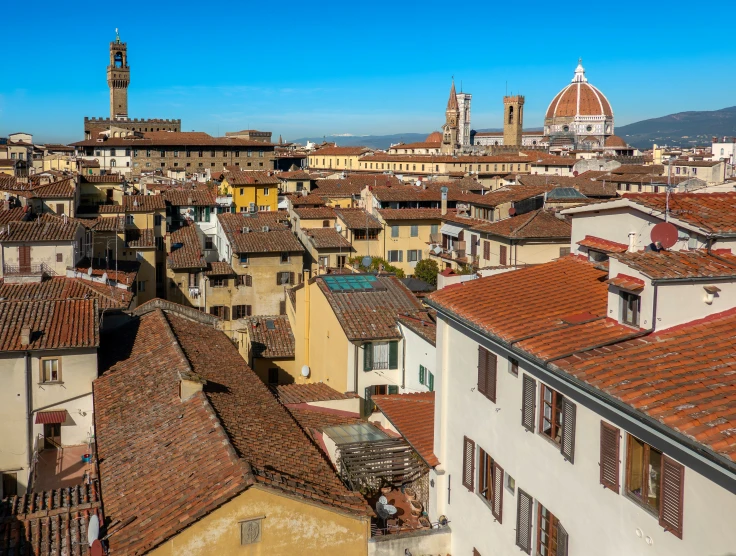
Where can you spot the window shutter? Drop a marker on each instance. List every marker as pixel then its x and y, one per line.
pixel 278 278
pixel 528 400
pixel 673 491
pixel 524 506
pixel 368 403
pixel 226 313
pixel 502 255
pixel 249 310
pixel 487 250
pixel 248 280
pixel 393 355
pixel 482 362
pixel 567 444
pixel 431 381
pixel 393 389
pixel 497 502
pixel 401 256
pixel 491 366
pixel 609 457
pixel 468 463
pixel 562 540
pixel 419 255
pixel 368 357
pixel 421 374
pixel 291 277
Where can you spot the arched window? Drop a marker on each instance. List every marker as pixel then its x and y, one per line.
pixel 118 59
pixel 511 114
pixel 112 162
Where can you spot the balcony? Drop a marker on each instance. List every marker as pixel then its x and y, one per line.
pixel 20 272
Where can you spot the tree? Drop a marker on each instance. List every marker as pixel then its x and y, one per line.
pixel 427 270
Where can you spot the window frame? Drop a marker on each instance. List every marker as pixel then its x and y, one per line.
pixel 641 499
pixel 626 298
pixel 551 545
pixel 555 405
pixel 42 371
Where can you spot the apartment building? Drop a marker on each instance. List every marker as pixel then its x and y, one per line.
pixel 407 235
pixel 48 360
pixel 362 230
pixel 251 191
pixel 336 158
pixel 611 379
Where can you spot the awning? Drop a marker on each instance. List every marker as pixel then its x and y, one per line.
pixel 50 417
pixel 451 230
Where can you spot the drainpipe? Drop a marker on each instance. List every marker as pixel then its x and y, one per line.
pixel 307 319
pixel 403 358
pixel 29 415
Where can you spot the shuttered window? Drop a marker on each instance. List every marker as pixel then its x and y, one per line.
pixel 497 502
pixel 490 483
pixel 528 399
pixel 368 356
pixel 502 255
pixel 393 355
pixel 468 463
pixel 567 445
pixel 487 365
pixel 673 490
pixel 548 532
pixel 524 505
pixel 609 464
pixel 487 250
pixel 562 540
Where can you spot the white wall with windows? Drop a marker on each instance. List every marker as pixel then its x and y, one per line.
pixel 553 488
pixel 420 359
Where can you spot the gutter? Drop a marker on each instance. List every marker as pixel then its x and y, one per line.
pixel 697 450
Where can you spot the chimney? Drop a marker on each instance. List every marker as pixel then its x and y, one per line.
pixel 189 384
pixel 444 190
pixel 25 335
pixel 632 242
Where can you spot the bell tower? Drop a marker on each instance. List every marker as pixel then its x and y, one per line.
pixel 513 119
pixel 452 122
pixel 118 79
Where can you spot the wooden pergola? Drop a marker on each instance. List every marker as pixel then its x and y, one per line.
pixel 390 461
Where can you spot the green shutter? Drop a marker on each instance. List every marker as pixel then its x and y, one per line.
pixel 206 214
pixel 393 355
pixel 431 382
pixel 368 356
pixel 368 408
pixel 421 374
pixel 393 389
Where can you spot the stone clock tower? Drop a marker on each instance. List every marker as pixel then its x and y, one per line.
pixel 118 79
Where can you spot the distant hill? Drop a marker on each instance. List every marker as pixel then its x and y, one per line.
pixel 684 129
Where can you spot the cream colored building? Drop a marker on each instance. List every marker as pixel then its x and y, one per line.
pixel 336 158
pixel 407 235
pixel 46 399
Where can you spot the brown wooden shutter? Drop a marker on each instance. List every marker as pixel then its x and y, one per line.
pixel 528 401
pixel 487 250
pixel 482 362
pixel 562 540
pixel 502 255
pixel 497 502
pixel 248 280
pixel 567 442
pixel 291 278
pixel 609 464
pixel 491 366
pixel 524 504
pixel 468 463
pixel 673 492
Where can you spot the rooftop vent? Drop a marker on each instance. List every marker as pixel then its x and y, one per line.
pixel 25 335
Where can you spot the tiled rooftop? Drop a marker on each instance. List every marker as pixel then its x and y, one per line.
pixel 531 225
pixel 548 310
pixel 191 139
pixel 136 203
pixel 305 393
pixel 50 523
pixel 413 417
pixel 53 324
pixel 189 255
pixel 265 242
pixel 251 178
pixel 123 272
pixel 62 189
pixel 327 238
pixel 588 187
pixel 233 221
pixel 270 336
pixel 627 282
pixel 316 213
pixel 370 314
pixel 712 212
pixel 219 268
pixel 340 151
pixel 684 377
pixel 422 323
pixel 605 245
pixel 357 218
pixel 13 215
pixel 179 197
pixel 679 265
pixel 39 231
pixel 61 287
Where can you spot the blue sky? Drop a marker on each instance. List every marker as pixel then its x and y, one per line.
pixel 325 68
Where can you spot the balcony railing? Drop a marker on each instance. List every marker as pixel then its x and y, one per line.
pixel 33 269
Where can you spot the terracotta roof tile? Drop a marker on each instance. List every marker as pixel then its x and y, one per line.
pixel 295 175
pixel 588 187
pixel 327 238
pixel 107 178
pixel 49 523
pixel 684 377
pixel 189 255
pixel 270 336
pixel 62 189
pixel 233 222
pixel 136 203
pixel 317 213
pixel 605 245
pixel 191 139
pixel 713 212
pixel 53 324
pixel 311 200
pixel 413 417
pixel 626 282
pixel 123 272
pixel 422 323
pixel 179 197
pixel 410 214
pixel 39 231
pixel 531 225
pixel 358 218
pixel 679 265
pixel 219 268
pixel 251 178
pixel 370 314
pixel 265 242
pixel 61 287
pixel 16 214
pixel 340 151
pixel 352 184
pixel 304 393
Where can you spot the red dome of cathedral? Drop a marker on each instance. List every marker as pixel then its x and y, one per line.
pixel 434 137
pixel 579 98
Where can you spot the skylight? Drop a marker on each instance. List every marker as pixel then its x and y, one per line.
pixel 351 282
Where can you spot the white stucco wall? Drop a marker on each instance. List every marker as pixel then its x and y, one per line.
pixel 598 520
pixel 418 352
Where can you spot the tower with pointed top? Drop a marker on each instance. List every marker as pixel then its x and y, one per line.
pixel 452 120
pixel 118 79
pixel 513 119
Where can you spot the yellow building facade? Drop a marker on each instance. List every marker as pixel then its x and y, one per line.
pixel 407 235
pixel 336 158
pixel 251 191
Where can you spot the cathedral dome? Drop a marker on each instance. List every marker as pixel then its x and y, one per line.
pixel 615 141
pixel 579 98
pixel 434 137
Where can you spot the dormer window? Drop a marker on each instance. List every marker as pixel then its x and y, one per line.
pixel 630 306
pixel 597 256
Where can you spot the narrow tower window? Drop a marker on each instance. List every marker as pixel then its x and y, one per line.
pixel 118 59
pixel 511 114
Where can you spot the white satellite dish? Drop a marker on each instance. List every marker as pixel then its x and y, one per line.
pixel 93 529
pixel 338 228
pixel 305 371
pixel 89 271
pixel 366 262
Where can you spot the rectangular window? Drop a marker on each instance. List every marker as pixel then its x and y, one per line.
pixel 284 258
pixel 273 376
pixel 50 370
pixel 550 418
pixel 243 259
pixel 630 305
pixel 513 366
pixel 384 355
pixel 218 282
pixel 284 278
pixel 564 251
pixel 490 483
pixel 502 255
pixel 395 256
pixel 394 231
pixel 415 231
pixel 434 229
pixel 265 191
pixel 413 255
pixel 162 152
pixel 10 485
pixel 59 258
pixel 549 540
pixel 208 243
pixel 487 365
pixel 220 311
pixel 141 285
pixel 241 311
pixel 193 280
pixel 643 473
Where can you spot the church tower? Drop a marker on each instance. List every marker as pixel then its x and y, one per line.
pixel 513 120
pixel 118 79
pixel 451 128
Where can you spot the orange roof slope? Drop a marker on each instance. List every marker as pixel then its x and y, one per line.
pixel 679 265
pixel 413 417
pixel 605 245
pixel 551 309
pixel 684 377
pixel 713 212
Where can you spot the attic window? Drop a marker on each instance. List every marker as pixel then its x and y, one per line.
pixel 630 306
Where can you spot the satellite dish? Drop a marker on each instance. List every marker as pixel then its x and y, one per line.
pixel 89 271
pixel 665 233
pixel 389 509
pixel 97 549
pixel 512 211
pixel 93 529
pixel 305 371
pixel 338 228
pixel 383 500
pixel 366 262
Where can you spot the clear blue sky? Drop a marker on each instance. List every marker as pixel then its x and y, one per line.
pixel 349 67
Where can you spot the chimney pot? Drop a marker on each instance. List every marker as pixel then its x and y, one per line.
pixel 25 335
